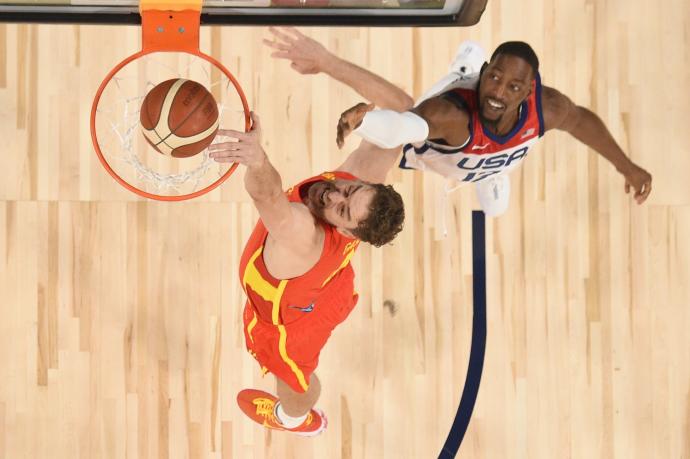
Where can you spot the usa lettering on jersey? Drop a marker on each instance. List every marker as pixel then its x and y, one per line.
pixel 479 167
pixel 465 167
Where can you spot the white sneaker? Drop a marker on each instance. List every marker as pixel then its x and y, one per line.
pixel 494 194
pixel 463 70
pixel 468 59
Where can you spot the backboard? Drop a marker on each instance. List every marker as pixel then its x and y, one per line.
pixel 258 12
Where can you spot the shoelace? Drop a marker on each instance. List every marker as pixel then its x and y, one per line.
pixel 264 407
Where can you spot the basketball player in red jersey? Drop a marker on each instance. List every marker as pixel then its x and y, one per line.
pixel 476 124
pixel 295 268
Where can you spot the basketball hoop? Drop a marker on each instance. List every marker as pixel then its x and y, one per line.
pixel 170 49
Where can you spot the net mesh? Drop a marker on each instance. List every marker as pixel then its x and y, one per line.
pixel 119 132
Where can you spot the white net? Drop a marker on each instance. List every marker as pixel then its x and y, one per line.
pixel 119 132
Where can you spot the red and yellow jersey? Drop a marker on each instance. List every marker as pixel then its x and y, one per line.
pixel 484 153
pixel 287 321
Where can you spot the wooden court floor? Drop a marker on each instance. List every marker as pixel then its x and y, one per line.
pixel 121 334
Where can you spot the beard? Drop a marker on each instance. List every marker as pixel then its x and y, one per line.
pixel 316 198
pixel 490 122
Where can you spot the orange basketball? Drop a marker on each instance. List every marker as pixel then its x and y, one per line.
pixel 179 118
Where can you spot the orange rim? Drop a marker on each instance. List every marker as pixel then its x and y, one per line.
pixel 123 182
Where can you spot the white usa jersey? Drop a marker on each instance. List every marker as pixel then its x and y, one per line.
pixel 484 153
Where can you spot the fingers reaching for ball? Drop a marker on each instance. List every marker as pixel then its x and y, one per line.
pixel 244 149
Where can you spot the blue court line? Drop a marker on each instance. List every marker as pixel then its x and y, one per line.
pixel 476 364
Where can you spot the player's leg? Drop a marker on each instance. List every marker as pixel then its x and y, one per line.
pixel 468 59
pixel 494 194
pixel 293 407
pixel 466 64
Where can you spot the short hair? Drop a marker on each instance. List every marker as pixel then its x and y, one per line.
pixel 386 217
pixel 519 49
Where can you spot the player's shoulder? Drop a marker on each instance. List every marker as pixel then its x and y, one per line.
pixel 298 232
pixel 304 221
pixel 555 107
pixel 551 96
pixel 302 212
pixel 447 119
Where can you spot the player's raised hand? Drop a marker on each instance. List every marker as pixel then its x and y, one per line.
pixel 246 149
pixel 640 181
pixel 350 120
pixel 308 56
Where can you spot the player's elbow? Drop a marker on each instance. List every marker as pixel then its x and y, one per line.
pixel 403 103
pixel 397 100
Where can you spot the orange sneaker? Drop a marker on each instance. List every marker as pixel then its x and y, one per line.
pixel 260 407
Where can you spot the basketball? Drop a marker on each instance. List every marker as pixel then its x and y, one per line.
pixel 179 118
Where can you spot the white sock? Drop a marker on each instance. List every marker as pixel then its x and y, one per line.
pixel 286 420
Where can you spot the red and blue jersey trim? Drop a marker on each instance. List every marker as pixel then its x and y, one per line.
pixel 530 122
pixel 531 118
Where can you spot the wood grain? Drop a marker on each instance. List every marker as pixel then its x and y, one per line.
pixel 121 332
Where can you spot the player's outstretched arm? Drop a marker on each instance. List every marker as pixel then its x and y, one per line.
pixel 381 140
pixel 308 56
pixel 435 118
pixel 561 113
pixel 283 221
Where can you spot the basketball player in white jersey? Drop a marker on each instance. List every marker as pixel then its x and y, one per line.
pixel 476 124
